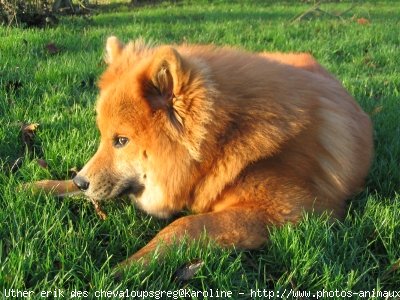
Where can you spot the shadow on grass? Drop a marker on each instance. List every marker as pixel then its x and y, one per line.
pixel 189 18
pixel 104 15
pixel 240 12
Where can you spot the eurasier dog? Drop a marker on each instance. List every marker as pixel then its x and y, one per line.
pixel 242 140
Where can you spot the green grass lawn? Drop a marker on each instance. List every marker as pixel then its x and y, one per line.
pixel 48 243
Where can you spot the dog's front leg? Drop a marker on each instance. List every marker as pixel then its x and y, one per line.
pixel 237 226
pixel 58 188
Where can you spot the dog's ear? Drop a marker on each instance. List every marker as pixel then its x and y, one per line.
pixel 164 77
pixel 113 49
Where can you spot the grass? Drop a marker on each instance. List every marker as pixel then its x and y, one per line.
pixel 49 244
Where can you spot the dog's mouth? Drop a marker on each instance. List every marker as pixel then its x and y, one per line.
pixel 131 187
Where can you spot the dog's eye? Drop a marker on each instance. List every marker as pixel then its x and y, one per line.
pixel 120 141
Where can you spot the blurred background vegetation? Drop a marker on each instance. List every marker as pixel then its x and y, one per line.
pixel 40 13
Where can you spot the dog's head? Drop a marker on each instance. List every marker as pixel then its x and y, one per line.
pixel 151 113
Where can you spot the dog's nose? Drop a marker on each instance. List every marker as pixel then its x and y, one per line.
pixel 81 182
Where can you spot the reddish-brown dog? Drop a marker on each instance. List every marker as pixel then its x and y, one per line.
pixel 242 140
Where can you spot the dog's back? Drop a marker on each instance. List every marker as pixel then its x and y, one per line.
pixel 288 128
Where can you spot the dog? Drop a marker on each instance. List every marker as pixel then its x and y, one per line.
pixel 242 140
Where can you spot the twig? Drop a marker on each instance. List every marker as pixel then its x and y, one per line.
pixel 316 8
pixel 346 11
pixel 102 215
pixel 308 11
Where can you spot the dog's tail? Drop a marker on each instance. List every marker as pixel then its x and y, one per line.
pixel 303 61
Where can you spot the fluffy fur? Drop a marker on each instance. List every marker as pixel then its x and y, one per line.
pixel 243 140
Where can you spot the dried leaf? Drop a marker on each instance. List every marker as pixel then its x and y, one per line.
pixel 57 264
pixel 28 134
pixel 52 48
pixel 363 21
pixel 393 268
pixel 72 172
pixel 31 127
pixel 187 271
pixel 377 110
pixel 42 163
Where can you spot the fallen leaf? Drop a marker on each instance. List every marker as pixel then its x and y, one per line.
pixel 42 163
pixel 377 110
pixel 395 266
pixel 28 134
pixel 72 172
pixel 30 127
pixel 187 271
pixel 52 48
pixel 368 61
pixel 392 269
pixel 57 264
pixel 363 21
